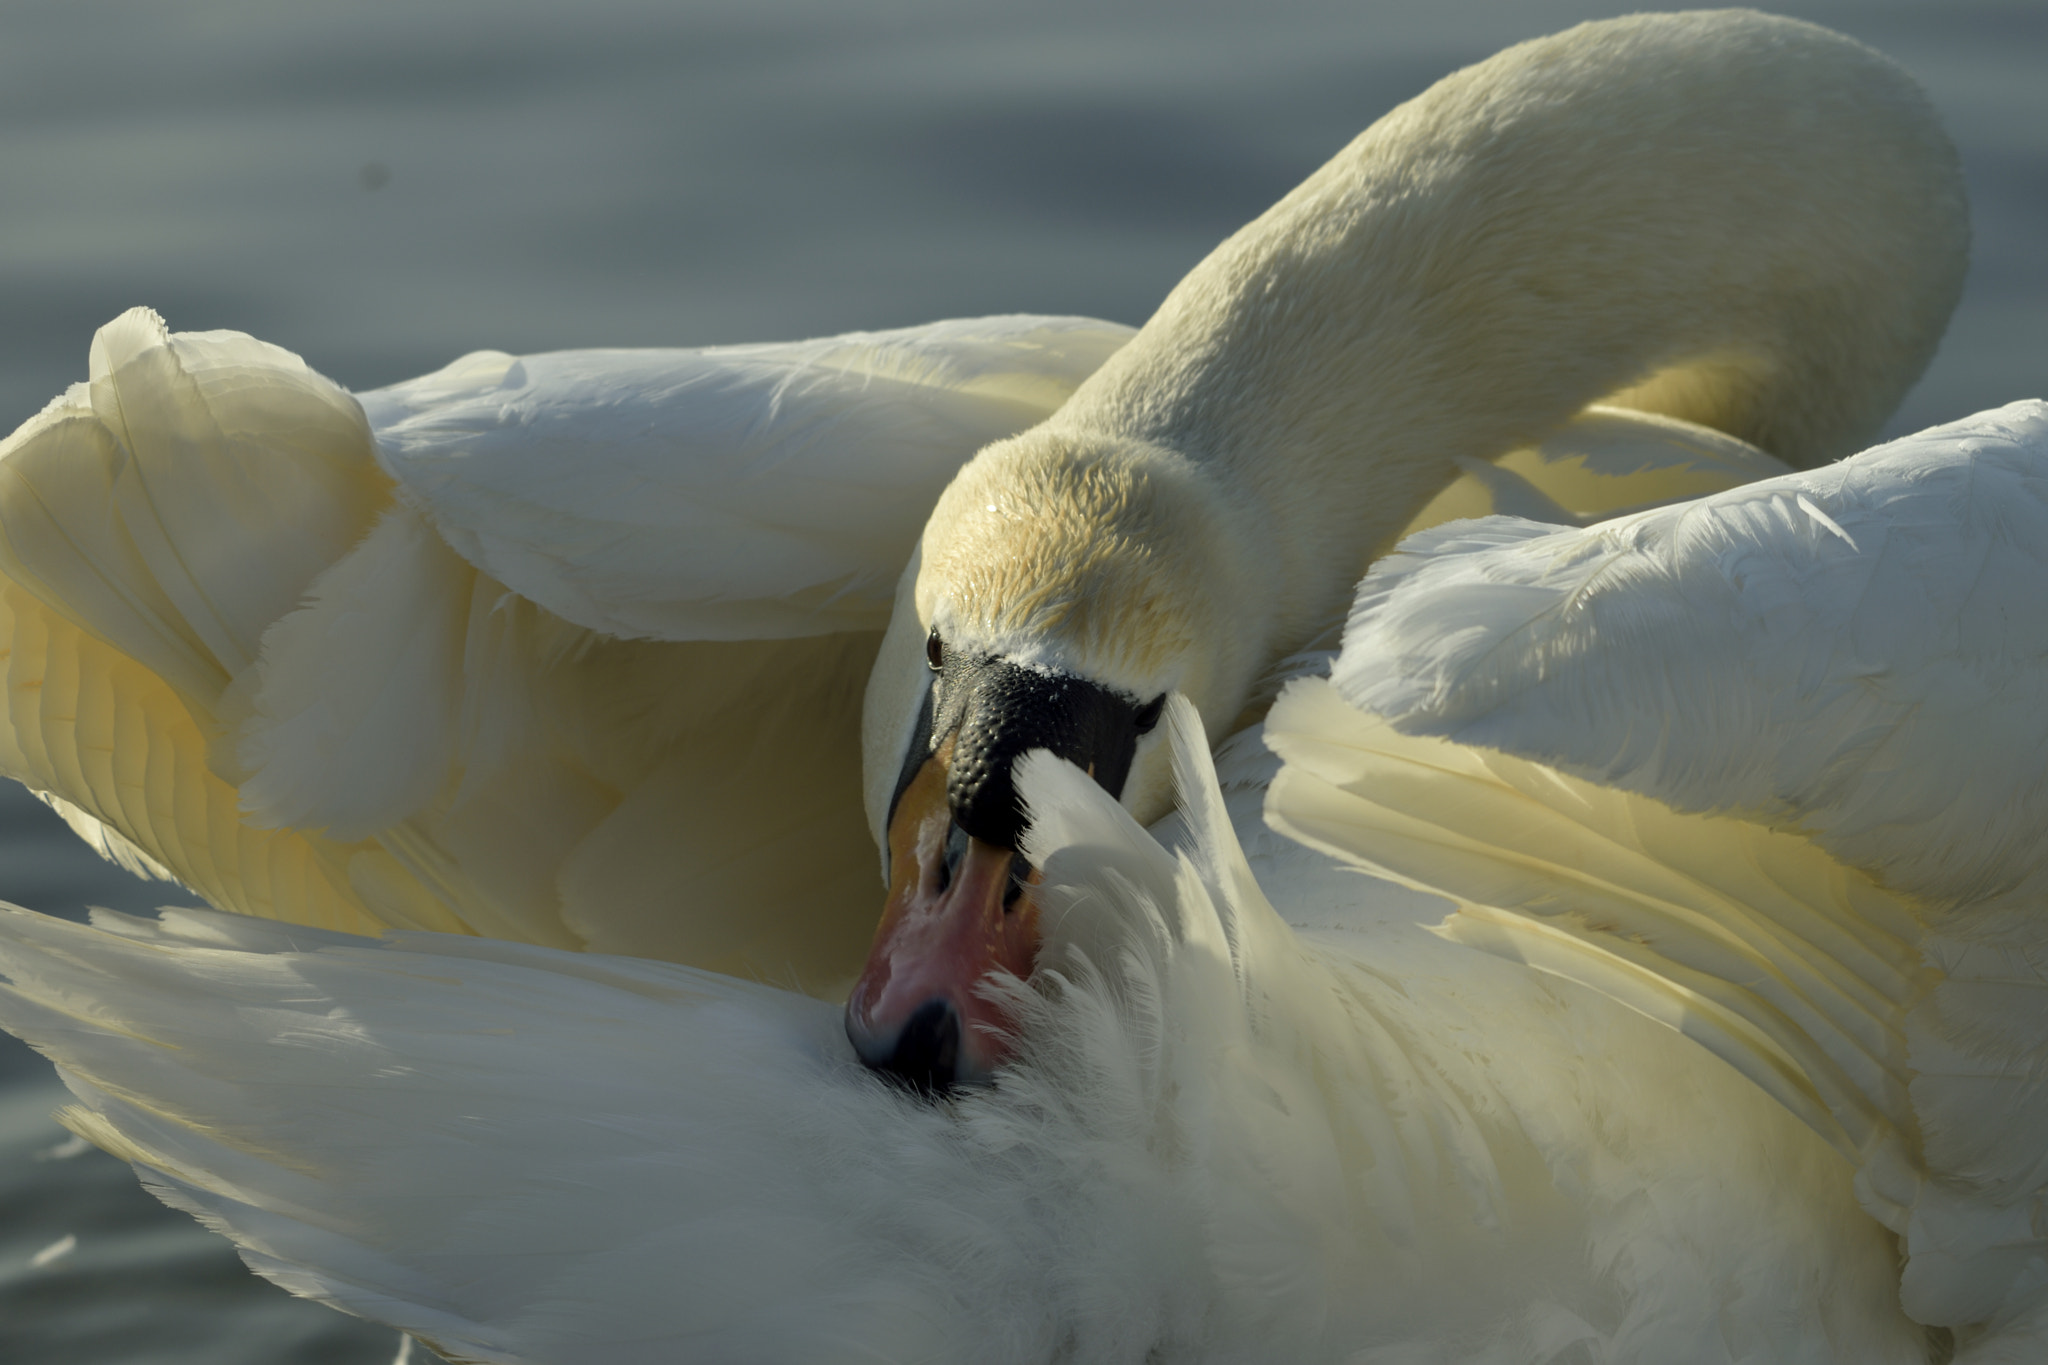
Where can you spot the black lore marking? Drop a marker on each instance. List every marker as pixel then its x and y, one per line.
pixel 1003 711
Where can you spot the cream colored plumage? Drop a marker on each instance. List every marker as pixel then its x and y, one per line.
pixel 1259 1112
pixel 386 736
pixel 315 708
pixel 1858 653
pixel 1736 220
pixel 1228 1136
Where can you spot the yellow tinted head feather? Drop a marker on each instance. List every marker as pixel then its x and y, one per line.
pixel 1109 558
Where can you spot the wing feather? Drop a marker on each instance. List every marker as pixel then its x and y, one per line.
pixel 740 492
pixel 236 658
pixel 1820 701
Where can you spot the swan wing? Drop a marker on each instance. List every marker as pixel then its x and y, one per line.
pixel 1220 1139
pixel 513 1153
pixel 1767 767
pixel 738 492
pixel 519 1154
pixel 260 660
pixel 154 521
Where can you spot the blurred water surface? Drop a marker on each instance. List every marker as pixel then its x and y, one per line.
pixel 381 187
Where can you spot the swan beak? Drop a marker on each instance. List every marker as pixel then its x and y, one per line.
pixel 960 905
pixel 959 909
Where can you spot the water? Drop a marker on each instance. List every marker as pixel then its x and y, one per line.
pixel 381 187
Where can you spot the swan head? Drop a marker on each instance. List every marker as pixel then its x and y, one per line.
pixel 1064 586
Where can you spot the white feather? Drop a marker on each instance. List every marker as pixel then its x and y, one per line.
pixel 354 704
pixel 312 707
pixel 740 492
pixel 1851 657
pixel 1223 1140
pixel 1807 655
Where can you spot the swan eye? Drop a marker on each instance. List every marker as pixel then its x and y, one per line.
pixel 934 652
pixel 1148 714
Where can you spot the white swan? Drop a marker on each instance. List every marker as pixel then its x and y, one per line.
pixel 1229 1136
pixel 571 654
pixel 513 784
pixel 1737 220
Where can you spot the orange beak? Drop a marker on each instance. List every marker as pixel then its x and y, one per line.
pixel 959 910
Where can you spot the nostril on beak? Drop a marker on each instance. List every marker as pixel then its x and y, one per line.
pixel 949 858
pixel 927 1055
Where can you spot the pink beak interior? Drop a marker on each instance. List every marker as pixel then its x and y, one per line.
pixel 958 910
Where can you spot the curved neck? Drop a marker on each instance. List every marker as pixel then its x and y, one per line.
pixel 1736 219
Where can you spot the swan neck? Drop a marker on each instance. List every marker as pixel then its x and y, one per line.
pixel 1619 210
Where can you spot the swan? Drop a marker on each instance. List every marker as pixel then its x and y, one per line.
pixel 600 650
pixel 458 710
pixel 1739 221
pixel 1285 1086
